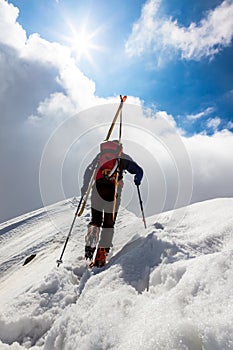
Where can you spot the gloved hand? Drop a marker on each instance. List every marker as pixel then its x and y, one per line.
pixel 137 180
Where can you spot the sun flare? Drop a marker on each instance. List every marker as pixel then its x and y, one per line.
pixel 81 42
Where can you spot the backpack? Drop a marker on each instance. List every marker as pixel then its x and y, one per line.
pixel 110 152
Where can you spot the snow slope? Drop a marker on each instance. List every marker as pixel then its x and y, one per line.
pixel 166 287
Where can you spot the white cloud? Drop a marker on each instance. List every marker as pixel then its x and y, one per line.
pixel 212 164
pixel 56 108
pixel 213 123
pixel 202 114
pixel 11 32
pixel 230 125
pixel 144 30
pixel 204 39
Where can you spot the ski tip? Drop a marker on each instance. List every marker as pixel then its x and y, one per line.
pixel 28 259
pixel 123 98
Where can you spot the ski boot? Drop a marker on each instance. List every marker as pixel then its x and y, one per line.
pixel 100 258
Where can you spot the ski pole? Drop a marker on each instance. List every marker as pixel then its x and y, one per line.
pixel 140 201
pixel 59 261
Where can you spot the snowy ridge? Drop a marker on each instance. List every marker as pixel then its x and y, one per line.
pixel 167 287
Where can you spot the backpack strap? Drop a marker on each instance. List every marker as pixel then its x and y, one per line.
pixel 113 169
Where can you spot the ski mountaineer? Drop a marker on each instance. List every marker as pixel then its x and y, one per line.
pixel 108 166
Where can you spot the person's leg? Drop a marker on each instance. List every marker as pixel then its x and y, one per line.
pixel 105 242
pixel 107 231
pixel 93 232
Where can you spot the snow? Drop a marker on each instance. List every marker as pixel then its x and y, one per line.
pixel 166 287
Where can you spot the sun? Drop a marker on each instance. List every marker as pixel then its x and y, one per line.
pixel 81 42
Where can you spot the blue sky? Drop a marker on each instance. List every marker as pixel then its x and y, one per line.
pixel 181 86
pixel 62 58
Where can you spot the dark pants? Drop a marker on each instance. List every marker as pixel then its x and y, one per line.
pixel 102 202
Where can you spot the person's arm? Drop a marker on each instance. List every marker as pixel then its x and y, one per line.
pixel 133 168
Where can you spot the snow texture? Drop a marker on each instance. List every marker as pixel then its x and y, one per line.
pixel 166 287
